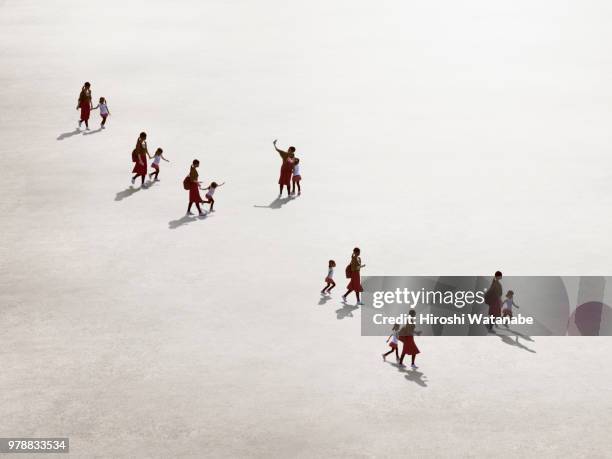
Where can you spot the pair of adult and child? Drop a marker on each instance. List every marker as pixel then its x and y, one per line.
pixel 139 158
pixel 406 336
pixel 85 105
pixel 192 183
pixel 352 271
pixel 493 298
pixel 289 172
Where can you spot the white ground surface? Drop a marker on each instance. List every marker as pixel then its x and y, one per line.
pixel 441 137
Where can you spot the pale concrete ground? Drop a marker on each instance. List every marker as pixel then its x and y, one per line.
pixel 441 137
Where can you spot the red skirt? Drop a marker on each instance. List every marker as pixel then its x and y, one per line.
pixel 393 346
pixel 495 308
pixel 355 283
pixel 507 312
pixel 329 280
pixel 155 166
pixel 410 347
pixel 285 174
pixel 297 178
pixel 140 169
pixel 85 110
pixel 194 193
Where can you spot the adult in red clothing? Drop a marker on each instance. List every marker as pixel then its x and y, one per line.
pixel 194 188
pixel 139 158
pixel 493 297
pixel 286 168
pixel 84 104
pixel 353 272
pixel 406 336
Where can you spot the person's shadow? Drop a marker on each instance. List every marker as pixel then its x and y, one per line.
pixel 514 332
pixel 411 375
pixel 65 135
pixel 127 193
pixel 508 340
pixel 93 132
pixel 186 219
pixel 324 299
pixel 345 311
pixel 277 203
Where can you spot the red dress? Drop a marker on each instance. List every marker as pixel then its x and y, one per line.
pixel 285 172
pixel 141 169
pixel 495 307
pixel 85 104
pixel 355 282
pixel 410 347
pixel 85 110
pixel 194 192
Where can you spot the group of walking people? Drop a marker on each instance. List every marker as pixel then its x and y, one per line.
pixel 85 105
pixel 193 185
pixel 404 334
pixel 140 154
pixel 353 273
pixel 290 175
pixel 498 307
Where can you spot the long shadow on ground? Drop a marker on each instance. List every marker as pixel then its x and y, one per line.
pixel 345 311
pixel 186 219
pixel 411 375
pixel 95 131
pixel 65 135
pixel 277 203
pixel 131 190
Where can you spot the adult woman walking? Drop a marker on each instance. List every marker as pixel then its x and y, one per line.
pixel 353 272
pixel 286 168
pixel 84 104
pixel 493 297
pixel 194 188
pixel 406 336
pixel 139 157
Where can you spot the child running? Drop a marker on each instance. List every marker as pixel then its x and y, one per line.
pixel 297 178
pixel 330 278
pixel 104 112
pixel 157 157
pixel 508 304
pixel 209 194
pixel 392 340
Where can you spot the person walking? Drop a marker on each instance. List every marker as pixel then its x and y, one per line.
pixel 353 273
pixel 84 104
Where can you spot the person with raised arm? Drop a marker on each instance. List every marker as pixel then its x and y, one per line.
pixel 286 168
pixel 210 191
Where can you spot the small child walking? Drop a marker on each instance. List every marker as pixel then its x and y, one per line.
pixel 329 280
pixel 297 177
pixel 209 194
pixel 157 157
pixel 104 111
pixel 508 304
pixel 392 340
